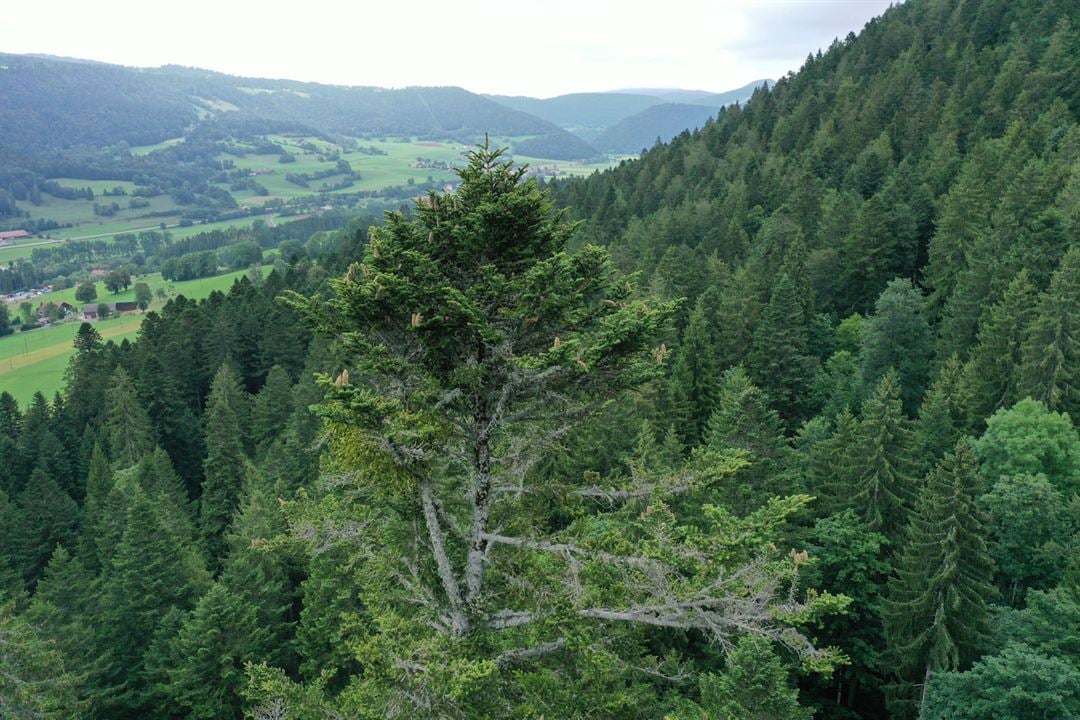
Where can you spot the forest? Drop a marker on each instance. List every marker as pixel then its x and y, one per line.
pixel 776 422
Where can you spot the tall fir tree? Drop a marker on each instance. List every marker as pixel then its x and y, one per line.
pixel 780 362
pixel 226 464
pixel 754 686
pixel 1051 351
pixel 126 422
pixel 942 417
pixel 694 378
pixel 149 574
pixel 881 471
pixel 271 409
pixel 46 516
pixel 207 658
pixel 897 336
pixel 937 614
pixel 991 372
pixel 744 421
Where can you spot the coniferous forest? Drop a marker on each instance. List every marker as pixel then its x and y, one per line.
pixel 777 422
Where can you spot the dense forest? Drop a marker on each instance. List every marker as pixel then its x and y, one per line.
pixel 775 422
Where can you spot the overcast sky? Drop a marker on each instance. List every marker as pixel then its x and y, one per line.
pixel 539 48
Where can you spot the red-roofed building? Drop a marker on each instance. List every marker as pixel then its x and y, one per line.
pixel 6 236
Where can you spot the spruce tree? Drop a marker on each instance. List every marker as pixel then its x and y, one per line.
pixel 261 579
pixel 941 418
pixel 271 409
pixel 744 421
pixel 1051 351
pixel 754 686
pixel 46 517
pixel 226 463
pixel 207 657
pixel 991 373
pixel 897 336
pixel 149 574
pixel 780 362
pixel 830 465
pixel 936 615
pixel 10 578
pixel 103 513
pixel 34 682
pixel 126 422
pixel 882 464
pixel 694 378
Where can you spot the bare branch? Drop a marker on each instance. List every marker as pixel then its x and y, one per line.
pixel 516 656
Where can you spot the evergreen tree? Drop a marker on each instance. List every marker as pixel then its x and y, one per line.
pixel 103 513
pixel 780 362
pixel 34 684
pixel 10 577
pixel 754 686
pixel 46 517
pixel 226 463
pixel 260 579
pixel 941 416
pixel 936 616
pixel 897 336
pixel 694 378
pixel 882 464
pixel 149 574
pixel 126 422
pixel 1051 351
pixel 271 409
pixel 207 657
pixel 991 373
pixel 743 421
pixel 829 465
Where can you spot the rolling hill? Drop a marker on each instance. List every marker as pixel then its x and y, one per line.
pixel 52 103
pixel 641 131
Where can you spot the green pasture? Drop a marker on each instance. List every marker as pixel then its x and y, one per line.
pixel 147 149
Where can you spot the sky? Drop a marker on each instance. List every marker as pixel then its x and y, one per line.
pixel 540 48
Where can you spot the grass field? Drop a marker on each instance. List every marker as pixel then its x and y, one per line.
pixel 36 360
pixel 396 167
pixel 26 248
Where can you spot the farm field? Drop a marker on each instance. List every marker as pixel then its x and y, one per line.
pixel 36 360
pixel 25 248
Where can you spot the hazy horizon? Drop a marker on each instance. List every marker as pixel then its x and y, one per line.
pixel 570 48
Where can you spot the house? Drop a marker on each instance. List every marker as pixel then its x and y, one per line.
pixel 90 312
pixel 6 236
pixel 65 308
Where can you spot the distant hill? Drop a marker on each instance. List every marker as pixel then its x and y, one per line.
pixel 639 132
pixel 625 121
pixel 59 103
pixel 719 100
pixel 581 111
pixel 556 146
pixel 699 97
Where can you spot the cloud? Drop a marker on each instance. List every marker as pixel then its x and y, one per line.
pixel 484 45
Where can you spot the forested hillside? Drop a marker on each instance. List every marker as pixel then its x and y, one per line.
pixel 52 103
pixel 784 428
pixel 658 123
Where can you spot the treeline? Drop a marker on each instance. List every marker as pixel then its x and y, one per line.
pixel 153 251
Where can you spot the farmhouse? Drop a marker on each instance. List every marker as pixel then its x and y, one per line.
pixel 63 307
pixel 6 236
pixel 91 312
